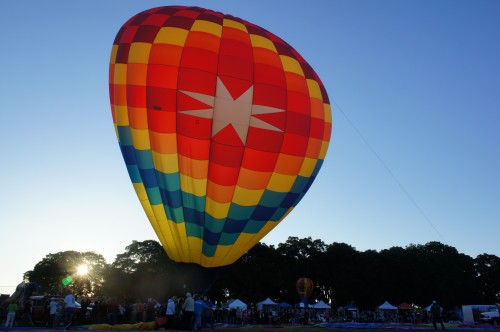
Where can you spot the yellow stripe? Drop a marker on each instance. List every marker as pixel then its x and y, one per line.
pixel 216 209
pixel 114 51
pixel 328 113
pixel 307 167
pixel 239 248
pixel 181 236
pixel 139 53
pixel 116 133
pixel 164 234
pixel 140 138
pixel 141 191
pixel 324 149
pixel 220 253
pixel 208 27
pixel 121 115
pixel 281 182
pixel 291 65
pixel 195 247
pixel 262 42
pixel 247 197
pixel 192 186
pixel 120 75
pixel 171 35
pixel 314 90
pixel 166 163
pixel 233 24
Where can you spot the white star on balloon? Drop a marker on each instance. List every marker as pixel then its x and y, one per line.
pixel 226 111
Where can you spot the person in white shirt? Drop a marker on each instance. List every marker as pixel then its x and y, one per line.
pixel 69 309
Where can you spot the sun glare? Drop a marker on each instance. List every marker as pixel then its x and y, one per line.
pixel 83 269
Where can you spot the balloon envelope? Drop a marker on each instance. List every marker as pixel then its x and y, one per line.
pixel 222 125
pixel 304 288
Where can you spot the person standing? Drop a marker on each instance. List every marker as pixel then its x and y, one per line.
pixel 11 314
pixel 27 313
pixel 52 312
pixel 199 306
pixel 69 309
pixel 436 315
pixel 188 312
pixel 170 312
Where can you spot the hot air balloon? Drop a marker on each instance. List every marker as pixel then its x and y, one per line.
pixel 304 287
pixel 222 125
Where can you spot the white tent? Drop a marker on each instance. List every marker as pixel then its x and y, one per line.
pixel 387 306
pixel 268 301
pixel 321 305
pixel 237 304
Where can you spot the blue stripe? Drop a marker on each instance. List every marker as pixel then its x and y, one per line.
pixel 148 177
pixel 128 155
pixel 272 198
pixel 144 158
pixel 133 172
pixel 239 212
pixel 194 217
pixel 228 239
pixel 208 250
pixel 234 226
pixel 172 199
pixel 210 238
pixel 169 182
pixel 193 202
pixel 289 200
pixel 154 196
pixel 124 135
pixel 263 213
pixel 253 226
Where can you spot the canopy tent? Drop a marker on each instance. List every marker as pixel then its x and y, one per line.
pixel 387 306
pixel 285 305
pixel 321 305
pixel 268 301
pixel 352 307
pixel 405 306
pixel 237 304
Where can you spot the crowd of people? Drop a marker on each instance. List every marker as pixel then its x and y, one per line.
pixel 190 313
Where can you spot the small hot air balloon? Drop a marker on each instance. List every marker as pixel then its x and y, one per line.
pixel 222 125
pixel 304 287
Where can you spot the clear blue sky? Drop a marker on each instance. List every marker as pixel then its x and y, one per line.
pixel 415 150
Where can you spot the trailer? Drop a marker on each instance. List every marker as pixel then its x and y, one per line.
pixel 480 314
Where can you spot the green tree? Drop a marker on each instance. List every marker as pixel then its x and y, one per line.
pixel 488 277
pixel 57 271
pixel 142 271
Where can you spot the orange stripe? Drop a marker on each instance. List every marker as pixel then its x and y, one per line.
pixel 288 164
pixel 137 73
pixel 220 193
pixel 120 94
pixel 313 148
pixel 296 83
pixel 197 169
pixel 165 54
pixel 254 180
pixel 317 109
pixel 203 40
pixel 163 143
pixel 138 118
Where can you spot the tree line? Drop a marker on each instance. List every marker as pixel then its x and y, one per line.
pixel 341 274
